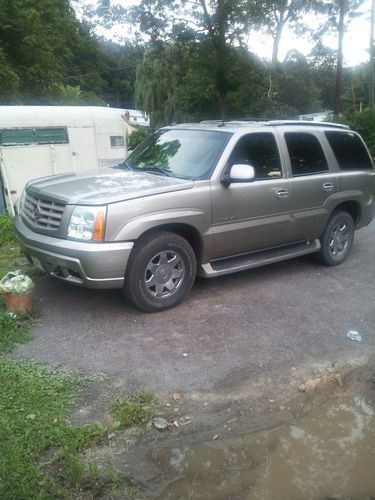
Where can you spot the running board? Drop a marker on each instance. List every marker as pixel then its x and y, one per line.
pixel 257 259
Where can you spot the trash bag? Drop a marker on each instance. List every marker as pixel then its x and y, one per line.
pixel 16 282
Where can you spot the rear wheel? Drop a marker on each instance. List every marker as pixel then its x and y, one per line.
pixel 337 239
pixel 160 272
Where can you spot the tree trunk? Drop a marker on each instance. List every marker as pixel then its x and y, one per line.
pixel 372 57
pixel 276 43
pixel 337 108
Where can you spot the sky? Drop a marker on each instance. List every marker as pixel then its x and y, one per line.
pixel 356 40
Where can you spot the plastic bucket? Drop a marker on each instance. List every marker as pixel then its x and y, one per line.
pixel 20 303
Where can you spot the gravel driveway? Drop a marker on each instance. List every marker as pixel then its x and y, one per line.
pixel 229 330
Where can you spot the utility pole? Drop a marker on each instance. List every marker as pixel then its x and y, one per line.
pixel 337 108
pixel 372 57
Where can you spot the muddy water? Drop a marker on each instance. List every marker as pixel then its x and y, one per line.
pixel 328 453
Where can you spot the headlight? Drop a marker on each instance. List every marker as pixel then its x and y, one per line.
pixel 87 223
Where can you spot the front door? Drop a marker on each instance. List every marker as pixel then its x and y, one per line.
pixel 253 215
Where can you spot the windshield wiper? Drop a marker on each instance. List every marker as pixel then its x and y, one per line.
pixel 157 170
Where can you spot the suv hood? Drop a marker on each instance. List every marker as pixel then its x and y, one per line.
pixel 107 186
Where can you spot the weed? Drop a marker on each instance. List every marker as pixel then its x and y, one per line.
pixel 132 411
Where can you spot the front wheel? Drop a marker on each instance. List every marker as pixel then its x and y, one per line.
pixel 337 239
pixel 160 272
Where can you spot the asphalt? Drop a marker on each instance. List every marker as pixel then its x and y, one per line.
pixel 229 330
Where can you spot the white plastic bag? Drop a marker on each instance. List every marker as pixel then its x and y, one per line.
pixel 16 282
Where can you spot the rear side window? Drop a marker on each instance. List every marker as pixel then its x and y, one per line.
pixel 349 150
pixel 260 151
pixel 306 154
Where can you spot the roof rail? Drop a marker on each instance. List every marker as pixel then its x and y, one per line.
pixel 277 123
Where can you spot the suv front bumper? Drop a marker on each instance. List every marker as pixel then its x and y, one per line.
pixel 93 265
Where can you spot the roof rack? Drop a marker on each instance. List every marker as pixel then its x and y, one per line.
pixel 277 123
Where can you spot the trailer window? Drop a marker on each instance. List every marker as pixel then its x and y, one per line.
pixel 25 136
pixel 17 136
pixel 51 135
pixel 117 141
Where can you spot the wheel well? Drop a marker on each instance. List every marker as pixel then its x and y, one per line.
pixel 353 208
pixel 185 231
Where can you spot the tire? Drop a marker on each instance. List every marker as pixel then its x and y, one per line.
pixel 337 239
pixel 161 271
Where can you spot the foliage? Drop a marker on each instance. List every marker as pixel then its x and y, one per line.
pixel 6 229
pixel 132 411
pixel 195 64
pixel 48 57
pixel 364 123
pixel 138 136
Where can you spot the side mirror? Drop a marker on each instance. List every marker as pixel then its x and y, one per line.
pixel 240 172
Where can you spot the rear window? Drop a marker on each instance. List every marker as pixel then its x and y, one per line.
pixel 349 151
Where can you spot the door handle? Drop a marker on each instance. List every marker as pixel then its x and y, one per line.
pixel 282 193
pixel 328 187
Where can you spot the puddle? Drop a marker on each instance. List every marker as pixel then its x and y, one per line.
pixel 329 453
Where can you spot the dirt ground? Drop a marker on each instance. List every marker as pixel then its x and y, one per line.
pixel 237 350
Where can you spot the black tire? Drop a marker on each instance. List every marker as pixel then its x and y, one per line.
pixel 337 239
pixel 160 272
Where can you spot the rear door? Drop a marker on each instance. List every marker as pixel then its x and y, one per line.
pixel 253 215
pixel 311 183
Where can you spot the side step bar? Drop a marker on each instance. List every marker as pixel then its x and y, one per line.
pixel 257 259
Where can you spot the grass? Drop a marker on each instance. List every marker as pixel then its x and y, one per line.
pixel 6 229
pixel 12 332
pixel 33 418
pixel 40 451
pixel 132 411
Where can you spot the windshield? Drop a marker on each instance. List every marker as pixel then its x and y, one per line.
pixel 190 154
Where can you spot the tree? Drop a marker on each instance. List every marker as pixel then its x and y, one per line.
pixel 339 13
pixel 45 51
pixel 280 14
pixel 216 25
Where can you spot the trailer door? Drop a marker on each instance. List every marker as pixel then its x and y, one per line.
pixel 83 148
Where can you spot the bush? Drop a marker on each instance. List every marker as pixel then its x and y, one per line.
pixel 138 136
pixel 364 124
pixel 6 229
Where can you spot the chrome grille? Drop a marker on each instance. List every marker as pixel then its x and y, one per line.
pixel 41 213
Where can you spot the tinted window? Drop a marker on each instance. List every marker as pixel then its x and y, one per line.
pixel 51 135
pixel 47 135
pixel 349 150
pixel 17 136
pixel 260 151
pixel 306 154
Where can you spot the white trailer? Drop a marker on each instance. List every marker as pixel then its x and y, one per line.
pixel 37 141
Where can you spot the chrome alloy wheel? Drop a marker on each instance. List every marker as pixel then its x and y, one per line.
pixel 164 274
pixel 339 239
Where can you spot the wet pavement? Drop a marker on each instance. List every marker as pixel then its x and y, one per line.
pixel 328 453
